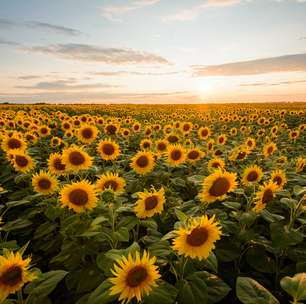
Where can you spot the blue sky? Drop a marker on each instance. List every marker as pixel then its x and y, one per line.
pixel 152 50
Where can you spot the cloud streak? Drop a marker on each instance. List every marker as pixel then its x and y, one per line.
pixel 126 73
pixel 58 29
pixel 5 42
pixel 287 63
pixel 266 84
pixel 193 12
pixel 92 53
pixel 112 12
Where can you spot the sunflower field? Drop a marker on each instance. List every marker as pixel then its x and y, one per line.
pixel 187 204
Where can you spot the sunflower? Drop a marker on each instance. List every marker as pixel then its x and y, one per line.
pixel 239 153
pixel 269 149
pixel 215 163
pixel 210 144
pixel 198 239
pixel 13 144
pixel 150 203
pixel 217 185
pixel 87 133
pixel 75 159
pixel 110 180
pixel 145 144
pixel 161 146
pixel 300 164
pixel 204 132
pixel 175 154
pixel 44 131
pixel 279 178
pixel 22 162
pixel 264 196
pixel 79 196
pixel 250 143
pixel 221 140
pixel 44 182
pixel 143 162
pixel 14 273
pixel 108 149
pixel 111 129
pixel 251 174
pixel 55 164
pixel 55 141
pixel 134 276
pixel 194 154
pixel 294 134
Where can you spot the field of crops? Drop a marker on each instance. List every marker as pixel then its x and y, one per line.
pixel 153 204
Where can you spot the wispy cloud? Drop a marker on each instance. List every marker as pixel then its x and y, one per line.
pixel 125 73
pixel 193 11
pixel 266 84
pixel 5 42
pixel 65 85
pixel 58 29
pixel 287 63
pixel 113 12
pixel 92 53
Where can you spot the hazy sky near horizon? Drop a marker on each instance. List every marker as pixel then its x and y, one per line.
pixel 152 51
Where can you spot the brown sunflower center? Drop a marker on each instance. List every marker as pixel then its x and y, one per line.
pixel 176 155
pixel 215 165
pixel 278 180
pixel 108 149
pixel 21 160
pixel 146 144
pixel 220 186
pixel 44 130
pixel 142 161
pixel 76 158
pixel 136 127
pixel 136 276
pixel 270 150
pixel 87 133
pixel 11 276
pixel 252 176
pixel 111 184
pixel 241 155
pixel 161 147
pixel 267 196
pixel 14 143
pixel 197 237
pixel 193 154
pixel 111 129
pixel 204 132
pixel 186 127
pixel 221 140
pixel 44 184
pixel 78 197
pixel 172 138
pixel 58 165
pixel 151 202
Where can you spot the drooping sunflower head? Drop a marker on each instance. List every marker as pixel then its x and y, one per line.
pixel 194 154
pixel 143 162
pixel 264 196
pixel 198 239
pixel 110 180
pixel 279 178
pixel 108 149
pixel 300 164
pixel 44 182
pixel 79 196
pixel 240 153
pixel 55 164
pixel 134 277
pixel 175 154
pixel 217 185
pixel 251 174
pixel 75 159
pixel 215 164
pixel 150 203
pixel 22 162
pixel 14 273
pixel 87 133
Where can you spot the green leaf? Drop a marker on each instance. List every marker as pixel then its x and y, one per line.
pixel 194 289
pixel 164 293
pixel 43 285
pixel 17 224
pixel 182 217
pixel 298 190
pixel 250 291
pixel 122 234
pixel 101 294
pixel 259 259
pixel 295 286
pixel 282 237
pixel 17 203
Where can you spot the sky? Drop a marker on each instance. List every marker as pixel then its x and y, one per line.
pixel 152 51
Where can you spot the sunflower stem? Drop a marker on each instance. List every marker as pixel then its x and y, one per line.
pixel 20 297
